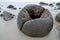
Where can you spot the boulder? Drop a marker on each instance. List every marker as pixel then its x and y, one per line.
pixel 57 17
pixel 57 23
pixel 58 3
pixel 0 11
pixel 51 5
pixel 19 8
pixel 42 3
pixel 12 7
pixel 7 16
pixel 35 21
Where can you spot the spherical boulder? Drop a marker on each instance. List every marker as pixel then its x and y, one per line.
pixel 57 17
pixel 35 21
pixel 57 21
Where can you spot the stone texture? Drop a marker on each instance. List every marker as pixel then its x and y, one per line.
pixel 37 27
pixel 7 16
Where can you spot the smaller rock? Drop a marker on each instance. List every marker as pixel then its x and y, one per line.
pixel 53 2
pixel 51 5
pixel 58 8
pixel 7 16
pixel 15 8
pixel 0 11
pixel 12 7
pixel 1 15
pixel 42 3
pixel 19 8
pixel 58 3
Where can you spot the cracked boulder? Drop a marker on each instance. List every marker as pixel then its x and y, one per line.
pixel 35 21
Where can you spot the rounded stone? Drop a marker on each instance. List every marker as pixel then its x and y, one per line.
pixel 57 18
pixel 35 21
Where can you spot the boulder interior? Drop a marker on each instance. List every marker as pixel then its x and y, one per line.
pixel 36 13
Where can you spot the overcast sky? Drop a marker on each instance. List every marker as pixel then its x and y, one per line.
pixel 29 0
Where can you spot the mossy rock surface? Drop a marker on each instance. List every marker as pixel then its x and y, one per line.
pixel 35 21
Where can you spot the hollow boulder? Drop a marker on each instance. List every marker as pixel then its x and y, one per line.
pixel 35 21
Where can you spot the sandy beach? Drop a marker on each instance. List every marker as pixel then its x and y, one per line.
pixel 9 29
